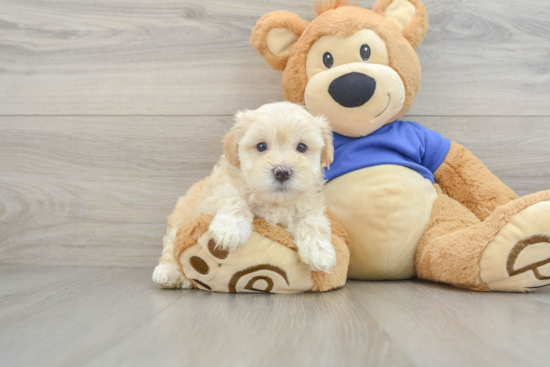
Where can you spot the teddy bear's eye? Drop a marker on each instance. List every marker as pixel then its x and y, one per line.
pixel 365 52
pixel 328 60
pixel 262 147
pixel 301 148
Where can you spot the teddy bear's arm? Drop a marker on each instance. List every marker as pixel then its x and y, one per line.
pixel 465 178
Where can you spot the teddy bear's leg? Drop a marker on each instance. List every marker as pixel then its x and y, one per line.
pixel 509 251
pixel 466 179
pixel 441 261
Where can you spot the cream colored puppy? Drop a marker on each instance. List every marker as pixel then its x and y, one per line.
pixel 271 168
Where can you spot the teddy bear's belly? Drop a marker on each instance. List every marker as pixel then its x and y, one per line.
pixel 385 210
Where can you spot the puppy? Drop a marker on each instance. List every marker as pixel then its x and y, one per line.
pixel 272 167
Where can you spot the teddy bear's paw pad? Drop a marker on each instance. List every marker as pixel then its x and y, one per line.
pixel 169 276
pixel 259 278
pixel 257 266
pixel 216 251
pixel 263 278
pixel 518 259
pixel 531 254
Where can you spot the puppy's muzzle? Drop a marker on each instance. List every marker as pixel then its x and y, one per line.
pixel 282 173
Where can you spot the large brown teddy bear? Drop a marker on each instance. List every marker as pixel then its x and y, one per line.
pixel 412 202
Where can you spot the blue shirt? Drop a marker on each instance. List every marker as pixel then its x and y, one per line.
pixel 404 143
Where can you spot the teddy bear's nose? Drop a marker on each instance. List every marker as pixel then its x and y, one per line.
pixel 353 89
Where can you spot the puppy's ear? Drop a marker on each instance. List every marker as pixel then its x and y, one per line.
pixel 231 140
pixel 409 16
pixel 327 155
pixel 275 34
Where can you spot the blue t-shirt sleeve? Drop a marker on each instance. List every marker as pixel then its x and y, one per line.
pixel 436 148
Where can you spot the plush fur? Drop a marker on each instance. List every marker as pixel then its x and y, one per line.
pixel 343 22
pixel 322 6
pixel 416 30
pixel 473 207
pixel 270 21
pixel 465 178
pixel 189 234
pixel 455 240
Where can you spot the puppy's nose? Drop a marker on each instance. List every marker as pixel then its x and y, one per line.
pixel 282 173
pixel 352 89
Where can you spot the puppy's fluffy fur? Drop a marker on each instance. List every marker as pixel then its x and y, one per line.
pixel 244 185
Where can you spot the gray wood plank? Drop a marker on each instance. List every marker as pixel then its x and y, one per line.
pixel 65 316
pixel 86 187
pixel 97 190
pixel 61 316
pixel 191 57
pixel 438 325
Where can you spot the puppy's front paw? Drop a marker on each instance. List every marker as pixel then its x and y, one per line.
pixel 318 256
pixel 169 276
pixel 229 232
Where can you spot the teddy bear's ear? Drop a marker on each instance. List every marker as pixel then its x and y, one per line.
pixel 409 15
pixel 275 34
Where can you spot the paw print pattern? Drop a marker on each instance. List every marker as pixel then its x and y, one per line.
pixel 520 261
pixel 265 280
pixel 217 252
pixel 518 257
pixel 258 266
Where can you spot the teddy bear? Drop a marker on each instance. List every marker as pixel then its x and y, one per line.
pixel 412 202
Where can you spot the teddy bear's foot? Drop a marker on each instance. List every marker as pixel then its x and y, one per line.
pixel 169 276
pixel 518 258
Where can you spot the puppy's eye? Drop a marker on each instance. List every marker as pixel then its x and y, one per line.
pixel 262 147
pixel 328 60
pixel 365 52
pixel 301 148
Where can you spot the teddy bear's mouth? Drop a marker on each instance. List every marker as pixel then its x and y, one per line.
pixel 389 99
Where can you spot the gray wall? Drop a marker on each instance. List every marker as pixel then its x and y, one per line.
pixel 111 110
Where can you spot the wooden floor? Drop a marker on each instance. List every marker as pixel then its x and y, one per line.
pixel 76 316
pixel 111 109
